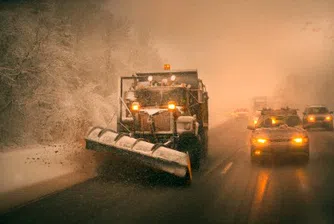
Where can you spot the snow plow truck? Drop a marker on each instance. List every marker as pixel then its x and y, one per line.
pixel 162 122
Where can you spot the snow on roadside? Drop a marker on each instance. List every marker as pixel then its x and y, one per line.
pixel 29 165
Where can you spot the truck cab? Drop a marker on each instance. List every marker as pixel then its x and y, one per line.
pixel 169 107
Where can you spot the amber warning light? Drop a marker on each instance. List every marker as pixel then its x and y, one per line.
pixel 166 66
pixel 171 106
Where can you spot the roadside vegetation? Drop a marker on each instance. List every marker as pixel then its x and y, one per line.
pixel 59 67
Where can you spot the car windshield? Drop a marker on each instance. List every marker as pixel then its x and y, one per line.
pixel 317 110
pixel 161 96
pixel 275 121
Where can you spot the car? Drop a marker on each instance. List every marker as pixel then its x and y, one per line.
pixel 318 116
pixel 279 132
pixel 241 113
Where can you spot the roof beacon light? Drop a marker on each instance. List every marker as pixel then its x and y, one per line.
pixel 166 66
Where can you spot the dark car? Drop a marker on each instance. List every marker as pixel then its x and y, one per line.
pixel 279 132
pixel 318 117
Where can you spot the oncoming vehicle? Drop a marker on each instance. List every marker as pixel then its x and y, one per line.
pixel 279 132
pixel 162 122
pixel 241 113
pixel 318 116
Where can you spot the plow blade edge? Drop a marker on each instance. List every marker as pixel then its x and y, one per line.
pixel 153 155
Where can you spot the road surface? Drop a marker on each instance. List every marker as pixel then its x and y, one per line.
pixel 227 189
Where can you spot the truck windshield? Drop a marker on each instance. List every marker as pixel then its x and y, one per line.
pixel 161 96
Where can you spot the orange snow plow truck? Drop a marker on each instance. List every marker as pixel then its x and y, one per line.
pixel 162 122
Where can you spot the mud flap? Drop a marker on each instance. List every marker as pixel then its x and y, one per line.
pixel 156 156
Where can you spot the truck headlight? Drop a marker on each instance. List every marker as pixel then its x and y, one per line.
pixel 135 106
pixel 171 106
pixel 328 118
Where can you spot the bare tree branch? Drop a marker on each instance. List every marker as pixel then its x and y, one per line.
pixel 4 108
pixel 8 77
pixel 6 68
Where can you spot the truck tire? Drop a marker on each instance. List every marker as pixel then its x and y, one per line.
pixel 191 144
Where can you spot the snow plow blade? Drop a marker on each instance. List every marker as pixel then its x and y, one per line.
pixel 156 156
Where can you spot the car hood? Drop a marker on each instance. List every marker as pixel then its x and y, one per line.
pixel 281 132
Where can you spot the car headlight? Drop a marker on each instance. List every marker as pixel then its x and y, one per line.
pixel 328 118
pixel 300 140
pixel 311 118
pixel 259 141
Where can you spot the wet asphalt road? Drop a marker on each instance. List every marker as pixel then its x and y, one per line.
pixel 227 189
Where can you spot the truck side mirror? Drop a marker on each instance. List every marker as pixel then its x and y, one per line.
pixel 331 112
pixel 251 127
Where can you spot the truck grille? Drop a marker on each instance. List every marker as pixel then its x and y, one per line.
pixel 162 122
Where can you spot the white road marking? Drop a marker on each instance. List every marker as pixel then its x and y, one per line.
pixel 227 167
pixel 213 169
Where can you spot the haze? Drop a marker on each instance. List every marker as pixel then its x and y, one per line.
pixel 60 65
pixel 241 48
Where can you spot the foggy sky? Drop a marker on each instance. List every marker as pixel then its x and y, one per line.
pixel 241 48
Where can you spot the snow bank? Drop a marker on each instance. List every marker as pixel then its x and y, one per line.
pixel 32 164
pixel 25 167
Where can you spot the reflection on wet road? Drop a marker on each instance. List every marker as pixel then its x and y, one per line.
pixel 227 189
